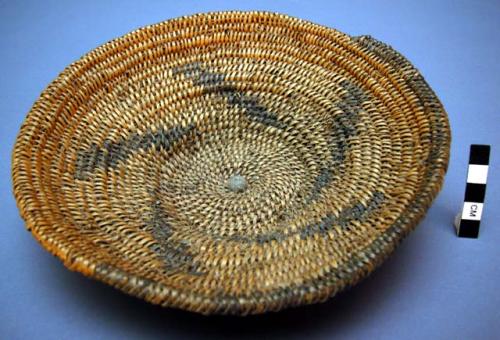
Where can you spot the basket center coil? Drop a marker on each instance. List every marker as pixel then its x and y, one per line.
pixel 237 183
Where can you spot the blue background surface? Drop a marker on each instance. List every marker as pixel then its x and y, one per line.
pixel 435 286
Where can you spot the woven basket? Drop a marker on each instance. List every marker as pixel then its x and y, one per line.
pixel 232 162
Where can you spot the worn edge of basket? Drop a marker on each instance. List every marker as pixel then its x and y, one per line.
pixel 142 288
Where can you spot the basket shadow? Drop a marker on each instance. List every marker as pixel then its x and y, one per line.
pixel 133 315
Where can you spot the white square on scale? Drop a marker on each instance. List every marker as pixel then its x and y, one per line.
pixel 472 211
pixel 477 174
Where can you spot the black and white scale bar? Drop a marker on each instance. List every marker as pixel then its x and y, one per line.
pixel 467 223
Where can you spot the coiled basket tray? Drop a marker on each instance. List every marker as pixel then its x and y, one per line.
pixel 232 162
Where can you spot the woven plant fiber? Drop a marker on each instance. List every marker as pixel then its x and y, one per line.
pixel 231 162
